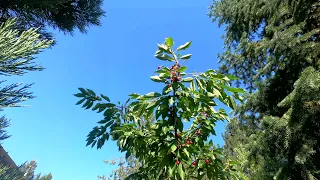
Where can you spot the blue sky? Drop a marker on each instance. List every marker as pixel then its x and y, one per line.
pixel 115 59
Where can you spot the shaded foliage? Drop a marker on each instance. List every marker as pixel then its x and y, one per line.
pixel 273 47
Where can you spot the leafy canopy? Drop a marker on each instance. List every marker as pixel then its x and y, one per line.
pixel 166 148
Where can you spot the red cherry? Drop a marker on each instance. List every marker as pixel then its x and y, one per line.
pixel 173 72
pixel 194 163
pixel 159 67
pixel 207 161
pixel 198 133
pixel 178 162
pixel 179 146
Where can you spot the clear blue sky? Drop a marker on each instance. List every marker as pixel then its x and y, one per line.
pixel 115 59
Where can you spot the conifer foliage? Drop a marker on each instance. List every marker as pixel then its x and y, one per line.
pixel 65 15
pixel 167 149
pixel 273 47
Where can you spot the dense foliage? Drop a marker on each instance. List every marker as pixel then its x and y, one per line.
pixel 273 47
pixel 65 15
pixel 166 148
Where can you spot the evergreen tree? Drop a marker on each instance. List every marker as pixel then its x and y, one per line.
pixel 17 58
pixel 273 47
pixel 65 15
pixel 17 51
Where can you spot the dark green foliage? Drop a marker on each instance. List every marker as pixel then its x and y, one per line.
pixel 65 15
pixel 273 47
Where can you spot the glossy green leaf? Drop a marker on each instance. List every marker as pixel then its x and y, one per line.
pixel 187 56
pixel 166 90
pixel 192 86
pixel 188 79
pixel 157 79
pixel 169 42
pixel 134 95
pixel 152 95
pixel 181 172
pixel 164 57
pixel 211 95
pixel 173 148
pixel 182 69
pixel 164 48
pixel 186 152
pixel 232 103
pixel 185 46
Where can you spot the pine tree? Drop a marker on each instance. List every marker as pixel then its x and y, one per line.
pixel 17 51
pixel 273 47
pixel 65 15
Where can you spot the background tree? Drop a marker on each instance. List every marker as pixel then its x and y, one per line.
pixel 125 167
pixel 166 148
pixel 273 47
pixel 65 15
pixel 16 58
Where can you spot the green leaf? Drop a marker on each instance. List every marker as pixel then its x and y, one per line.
pixel 86 103
pixel 110 105
pixel 192 86
pixel 163 47
pixel 108 124
pixel 169 42
pixel 96 107
pixel 152 104
pixel 103 121
pixel 188 79
pixel 164 57
pixel 94 143
pixel 157 79
pixel 187 56
pixel 199 84
pixel 171 101
pixel 134 95
pixel 231 89
pixel 173 148
pixel 182 69
pixel 166 90
pixel 81 101
pixel 186 152
pixel 79 95
pixel 105 97
pixel 91 92
pixel 181 172
pixel 152 95
pixel 234 162
pixel 232 103
pixel 83 91
pixel 163 70
pixel 210 95
pixel 164 75
pixel 171 170
pixel 185 46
